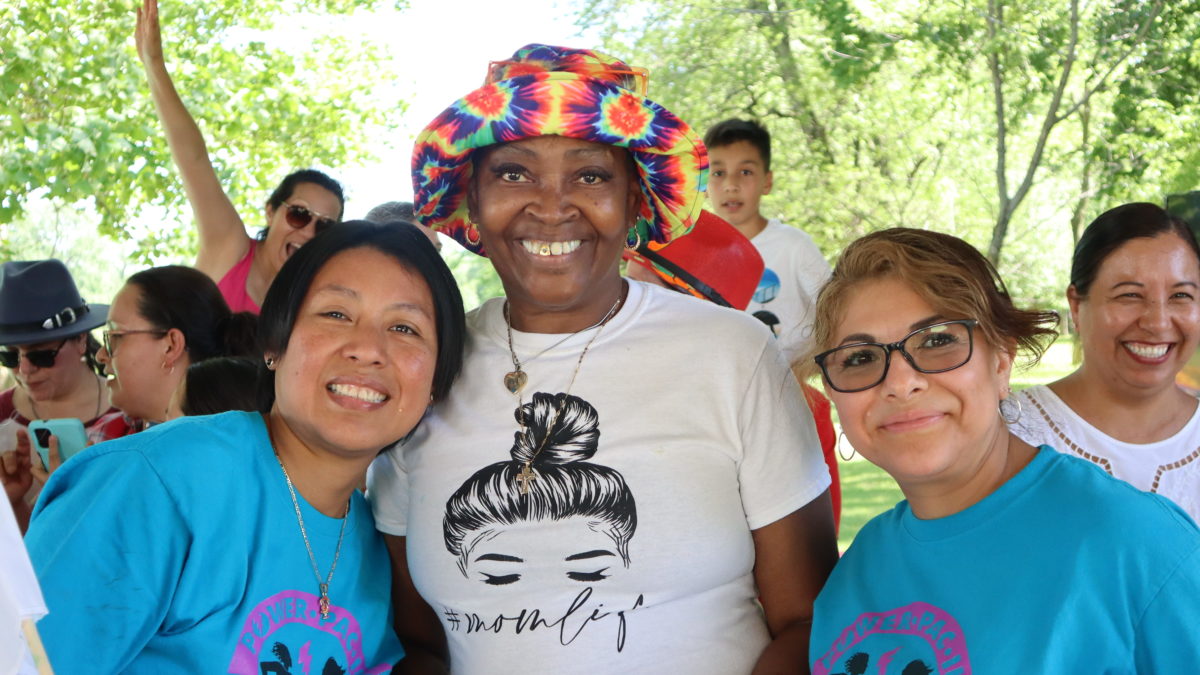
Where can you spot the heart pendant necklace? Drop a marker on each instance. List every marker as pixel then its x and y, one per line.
pixel 515 379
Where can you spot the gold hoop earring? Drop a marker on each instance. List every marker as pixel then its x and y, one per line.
pixel 637 241
pixel 842 440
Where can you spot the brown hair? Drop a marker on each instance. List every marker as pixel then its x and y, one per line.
pixel 946 272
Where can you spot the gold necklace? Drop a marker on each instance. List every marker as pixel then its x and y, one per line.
pixel 515 379
pixel 323 603
pixel 518 378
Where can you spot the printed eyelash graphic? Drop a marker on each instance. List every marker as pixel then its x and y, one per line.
pixel 500 579
pixel 598 575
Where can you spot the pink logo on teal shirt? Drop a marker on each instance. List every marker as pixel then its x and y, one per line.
pixel 914 638
pixel 286 635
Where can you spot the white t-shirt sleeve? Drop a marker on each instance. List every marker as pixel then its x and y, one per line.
pixel 387 492
pixel 782 467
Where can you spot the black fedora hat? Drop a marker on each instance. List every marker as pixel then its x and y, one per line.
pixel 39 302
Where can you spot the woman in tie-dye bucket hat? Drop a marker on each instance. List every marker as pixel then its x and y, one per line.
pixel 624 472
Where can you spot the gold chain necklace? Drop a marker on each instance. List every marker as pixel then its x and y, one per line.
pixel 323 603
pixel 518 377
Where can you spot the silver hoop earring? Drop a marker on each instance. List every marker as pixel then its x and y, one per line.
pixel 270 361
pixel 1007 415
pixel 842 440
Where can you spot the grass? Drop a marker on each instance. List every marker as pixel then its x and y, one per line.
pixel 868 491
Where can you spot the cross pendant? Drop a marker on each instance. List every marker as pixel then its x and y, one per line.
pixel 526 478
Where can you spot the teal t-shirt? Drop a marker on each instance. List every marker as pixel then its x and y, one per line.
pixel 1063 569
pixel 177 550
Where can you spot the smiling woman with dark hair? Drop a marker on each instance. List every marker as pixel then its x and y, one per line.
pixel 1135 302
pixel 238 542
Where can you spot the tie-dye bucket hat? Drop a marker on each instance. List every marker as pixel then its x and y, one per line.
pixel 557 91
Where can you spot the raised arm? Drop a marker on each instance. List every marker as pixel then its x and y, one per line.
pixel 223 238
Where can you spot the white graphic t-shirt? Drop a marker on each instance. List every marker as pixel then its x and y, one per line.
pixel 632 551
pixel 787 293
pixel 1170 467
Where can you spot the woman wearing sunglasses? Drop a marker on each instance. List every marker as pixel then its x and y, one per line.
pixel 161 321
pixel 1003 558
pixel 305 202
pixel 595 499
pixel 46 344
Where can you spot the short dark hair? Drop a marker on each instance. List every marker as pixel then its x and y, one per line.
pixel 186 299
pixel 731 131
pixel 1113 228
pixel 406 245
pixel 220 385
pixel 287 187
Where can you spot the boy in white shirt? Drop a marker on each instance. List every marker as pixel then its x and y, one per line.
pixel 739 155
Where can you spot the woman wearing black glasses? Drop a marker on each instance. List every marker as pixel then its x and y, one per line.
pixel 44 330
pixel 1003 557
pixel 304 203
pixel 163 320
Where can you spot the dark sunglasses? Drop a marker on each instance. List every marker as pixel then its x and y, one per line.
pixel 39 358
pixel 299 217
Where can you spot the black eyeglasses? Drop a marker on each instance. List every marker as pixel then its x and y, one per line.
pixel 110 338
pixel 932 349
pixel 299 218
pixel 39 358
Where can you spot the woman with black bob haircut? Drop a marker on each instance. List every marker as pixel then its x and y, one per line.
pixel 275 330
pixel 162 321
pixel 264 552
pixel 1135 302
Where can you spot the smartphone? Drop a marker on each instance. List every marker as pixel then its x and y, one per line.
pixel 69 432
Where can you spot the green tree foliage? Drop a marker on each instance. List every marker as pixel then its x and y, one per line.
pixel 995 121
pixel 870 128
pixel 77 123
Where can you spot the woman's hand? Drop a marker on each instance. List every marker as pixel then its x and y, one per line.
pixel 16 470
pixel 147 35
pixel 19 471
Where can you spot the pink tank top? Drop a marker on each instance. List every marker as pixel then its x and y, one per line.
pixel 233 284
